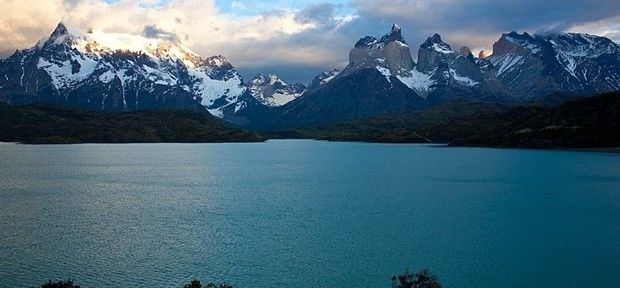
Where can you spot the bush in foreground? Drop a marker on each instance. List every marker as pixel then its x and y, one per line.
pixel 60 284
pixel 196 284
pixel 422 279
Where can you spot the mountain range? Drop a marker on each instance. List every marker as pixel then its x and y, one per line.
pixel 119 72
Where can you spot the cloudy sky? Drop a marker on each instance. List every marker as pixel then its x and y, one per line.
pixel 298 39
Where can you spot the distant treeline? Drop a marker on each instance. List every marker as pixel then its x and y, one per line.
pixel 592 122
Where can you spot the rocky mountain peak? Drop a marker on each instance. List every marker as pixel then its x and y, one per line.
pixel 435 43
pixel 390 53
pixel 63 33
pixel 434 52
pixel 61 29
pixel 394 35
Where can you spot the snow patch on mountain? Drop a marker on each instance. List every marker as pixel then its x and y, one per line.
pixel 506 62
pixel 466 81
pixel 419 82
pixel 63 73
pixel 442 48
pixel 386 72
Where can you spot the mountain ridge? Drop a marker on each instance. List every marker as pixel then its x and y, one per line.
pixel 120 72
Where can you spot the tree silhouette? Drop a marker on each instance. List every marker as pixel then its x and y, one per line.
pixel 422 279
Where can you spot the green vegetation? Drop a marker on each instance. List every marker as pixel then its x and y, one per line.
pixel 47 124
pixel 587 123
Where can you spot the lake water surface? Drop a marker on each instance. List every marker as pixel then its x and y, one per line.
pixel 307 214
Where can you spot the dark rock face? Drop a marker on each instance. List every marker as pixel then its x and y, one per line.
pixel 361 94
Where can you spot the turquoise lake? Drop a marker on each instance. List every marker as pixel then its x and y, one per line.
pixel 296 213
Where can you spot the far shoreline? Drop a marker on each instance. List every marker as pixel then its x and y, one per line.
pixel 612 150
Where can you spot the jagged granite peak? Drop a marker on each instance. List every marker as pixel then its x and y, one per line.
pixel 62 34
pixel 272 91
pixel 60 30
pixel 119 72
pixel 394 35
pixel 390 53
pixel 433 52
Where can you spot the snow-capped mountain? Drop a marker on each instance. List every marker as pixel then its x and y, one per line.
pixel 119 72
pixel 533 67
pixel 272 91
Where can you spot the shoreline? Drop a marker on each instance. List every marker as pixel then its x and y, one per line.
pixel 614 150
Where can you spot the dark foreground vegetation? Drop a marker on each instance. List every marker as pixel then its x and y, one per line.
pixel 422 279
pixel 587 123
pixel 47 124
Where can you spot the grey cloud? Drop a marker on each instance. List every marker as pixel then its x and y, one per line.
pixel 492 14
pixel 151 31
pixel 321 14
pixel 478 21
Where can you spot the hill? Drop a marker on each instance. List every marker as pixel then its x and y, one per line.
pixel 49 124
pixel 585 123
